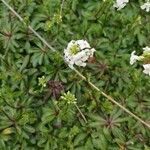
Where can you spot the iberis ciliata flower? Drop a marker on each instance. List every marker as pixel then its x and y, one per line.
pixel 78 52
pixel 146 6
pixel 120 4
pixel 144 58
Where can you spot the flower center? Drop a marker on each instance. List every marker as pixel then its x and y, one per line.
pixel 146 57
pixel 74 49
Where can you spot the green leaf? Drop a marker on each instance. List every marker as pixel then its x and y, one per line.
pixel 29 129
pixel 25 62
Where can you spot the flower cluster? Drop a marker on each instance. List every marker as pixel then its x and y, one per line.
pixel 120 4
pixel 145 58
pixel 146 6
pixel 78 52
pixel 42 81
pixel 69 98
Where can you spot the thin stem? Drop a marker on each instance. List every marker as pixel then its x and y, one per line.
pixel 43 40
pixel 126 110
pixel 12 120
pixel 115 102
pixel 21 19
pixel 82 76
pixel 61 8
pixel 81 113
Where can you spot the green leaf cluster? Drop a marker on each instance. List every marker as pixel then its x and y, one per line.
pixel 31 118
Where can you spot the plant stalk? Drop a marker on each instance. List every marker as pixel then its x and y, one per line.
pixel 82 76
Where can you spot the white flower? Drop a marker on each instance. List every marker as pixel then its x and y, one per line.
pixel 146 49
pixel 146 69
pixel 120 4
pixel 146 6
pixel 83 44
pixel 78 52
pixel 133 58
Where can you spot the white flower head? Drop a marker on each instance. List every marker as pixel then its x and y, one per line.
pixel 78 52
pixel 120 4
pixel 133 58
pixel 146 49
pixel 146 6
pixel 146 69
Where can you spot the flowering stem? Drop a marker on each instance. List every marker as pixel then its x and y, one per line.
pixel 113 101
pixel 80 113
pixel 126 110
pixel 22 20
pixel 82 76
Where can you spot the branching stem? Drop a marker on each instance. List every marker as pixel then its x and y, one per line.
pixel 82 76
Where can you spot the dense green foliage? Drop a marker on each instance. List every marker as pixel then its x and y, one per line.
pixel 35 117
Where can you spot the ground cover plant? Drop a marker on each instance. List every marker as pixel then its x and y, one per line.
pixel 45 105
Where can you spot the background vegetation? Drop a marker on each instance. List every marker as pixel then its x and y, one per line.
pixel 33 117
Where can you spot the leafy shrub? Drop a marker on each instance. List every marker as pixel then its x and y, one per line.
pixel 34 117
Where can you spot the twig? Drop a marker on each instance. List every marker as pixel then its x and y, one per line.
pixel 22 20
pixel 61 8
pixel 83 77
pixel 81 113
pixel 113 101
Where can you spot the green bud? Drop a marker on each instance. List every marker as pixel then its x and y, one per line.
pixel 69 98
pixel 42 81
pixel 57 18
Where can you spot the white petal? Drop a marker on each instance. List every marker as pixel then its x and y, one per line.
pixel 120 4
pixel 146 69
pixel 80 63
pixel 146 6
pixel 81 56
pixel 143 7
pixel 146 49
pixel 83 44
pixel 133 58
